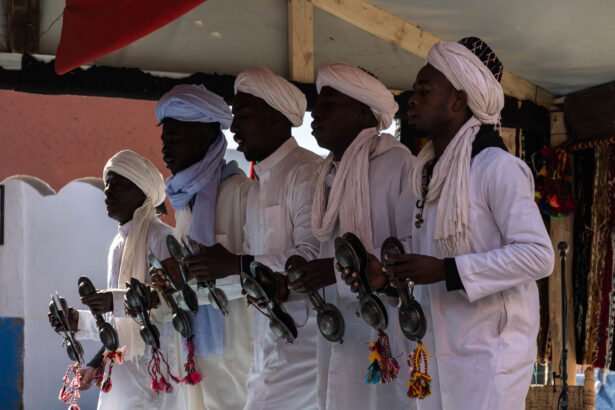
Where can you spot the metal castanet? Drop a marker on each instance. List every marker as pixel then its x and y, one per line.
pixel 58 307
pixel 410 314
pixel 178 253
pixel 329 319
pixel 138 298
pixel 217 297
pixel 180 320
pixel 280 322
pixel 106 332
pixel 351 254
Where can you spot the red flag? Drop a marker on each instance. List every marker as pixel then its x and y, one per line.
pixel 94 28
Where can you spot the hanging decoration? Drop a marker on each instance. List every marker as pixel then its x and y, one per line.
pixel 110 358
pixel 94 28
pixel 383 367
pixel 419 385
pixel 553 182
pixel 69 393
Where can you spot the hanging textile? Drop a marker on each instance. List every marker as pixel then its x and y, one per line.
pixel 599 242
pixel 94 28
pixel 584 164
pixel 609 294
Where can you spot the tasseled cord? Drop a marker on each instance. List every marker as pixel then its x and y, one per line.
pixel 69 393
pixel 192 375
pixel 109 358
pixel 383 367
pixel 419 384
pixel 159 382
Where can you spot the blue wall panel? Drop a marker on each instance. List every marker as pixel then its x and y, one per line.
pixel 11 362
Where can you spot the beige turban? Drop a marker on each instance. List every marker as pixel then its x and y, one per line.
pixel 148 179
pixel 361 86
pixel 468 73
pixel 275 90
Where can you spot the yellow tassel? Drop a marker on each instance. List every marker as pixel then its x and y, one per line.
pixel 419 385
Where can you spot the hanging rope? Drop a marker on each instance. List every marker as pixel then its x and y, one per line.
pixel 589 144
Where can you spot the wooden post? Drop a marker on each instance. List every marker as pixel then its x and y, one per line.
pixel 561 230
pixel 23 26
pixel 301 40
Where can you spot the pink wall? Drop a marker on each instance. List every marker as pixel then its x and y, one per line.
pixel 61 138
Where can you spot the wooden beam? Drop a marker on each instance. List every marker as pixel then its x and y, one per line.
pixel 301 40
pixel 408 37
pixel 23 26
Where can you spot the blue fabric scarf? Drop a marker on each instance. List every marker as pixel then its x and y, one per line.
pixel 198 184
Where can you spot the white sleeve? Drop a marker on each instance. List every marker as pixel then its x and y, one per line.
pixel 527 254
pixel 118 302
pixel 87 326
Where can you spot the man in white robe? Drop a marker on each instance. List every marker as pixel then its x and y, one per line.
pixel 133 188
pixel 478 241
pixel 279 204
pixel 358 190
pixel 209 199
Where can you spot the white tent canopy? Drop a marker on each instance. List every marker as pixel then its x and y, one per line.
pixel 559 45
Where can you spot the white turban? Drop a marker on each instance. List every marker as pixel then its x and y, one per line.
pixel 361 86
pixel 194 103
pixel 148 179
pixel 466 72
pixel 280 94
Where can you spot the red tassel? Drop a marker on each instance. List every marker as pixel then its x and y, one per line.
pixel 159 382
pixel 69 393
pixel 109 358
pixel 383 366
pixel 252 174
pixel 192 375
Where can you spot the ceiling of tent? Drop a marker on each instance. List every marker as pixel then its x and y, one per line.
pixel 561 45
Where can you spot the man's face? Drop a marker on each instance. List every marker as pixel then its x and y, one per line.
pixel 122 197
pixel 430 105
pixel 186 143
pixel 333 115
pixel 251 126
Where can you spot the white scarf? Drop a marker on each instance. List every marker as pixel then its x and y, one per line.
pixel 148 179
pixel 349 198
pixel 449 184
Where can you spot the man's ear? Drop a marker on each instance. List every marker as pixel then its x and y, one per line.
pixel 366 116
pixel 460 103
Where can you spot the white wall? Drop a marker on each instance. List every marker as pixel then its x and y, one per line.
pixel 49 242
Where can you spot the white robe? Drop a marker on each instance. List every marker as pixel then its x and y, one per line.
pixel 483 338
pixel 278 225
pixel 342 367
pixel 131 382
pixel 225 375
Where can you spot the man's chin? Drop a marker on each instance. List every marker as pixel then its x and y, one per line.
pixel 419 132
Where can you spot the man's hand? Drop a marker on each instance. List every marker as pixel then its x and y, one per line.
pixel 317 274
pixel 159 281
pixel 99 303
pixel 73 321
pixel 420 269
pixel 87 377
pixel 375 276
pixel 211 263
pixel 154 302
pixel 276 285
